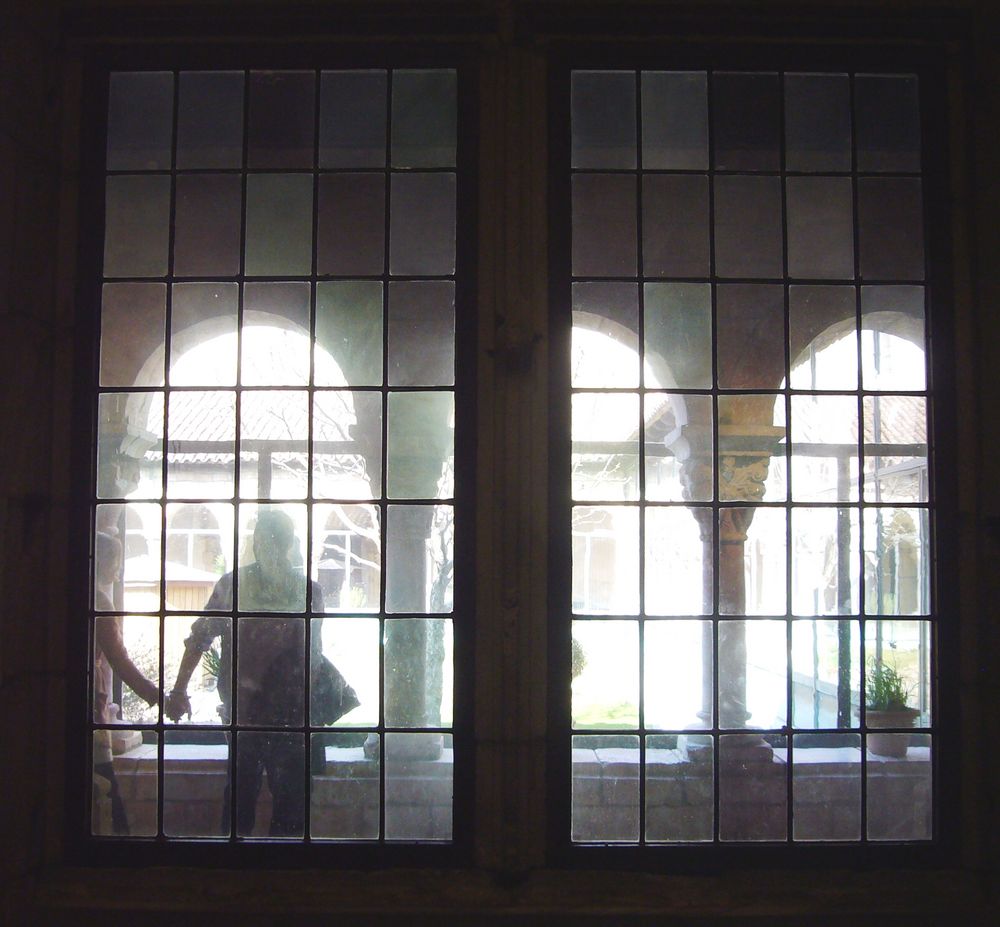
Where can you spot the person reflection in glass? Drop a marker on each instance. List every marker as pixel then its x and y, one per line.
pixel 270 678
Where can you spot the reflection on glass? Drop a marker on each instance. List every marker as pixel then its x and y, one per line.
pixel 604 225
pixel 895 448
pixel 748 233
pixel 275 343
pixel 274 431
pixel 892 338
pixel 424 113
pixel 344 793
pixel 270 559
pixel 605 456
pixel 281 121
pixel 826 787
pixel 207 225
pixel 347 559
pixel 817 122
pixel 139 524
pixel 199 551
pixel 606 688
pixel 125 798
pixel 201 444
pixel 136 225
pixel 677 668
pixel 900 649
pixel 420 558
pixel 203 334
pixel 347 445
pixel 746 121
pixel 605 789
pixel 419 783
pixel 678 561
pixel 270 671
pixel 352 118
pixel 422 333
pixel 210 686
pixel 606 559
pixel 896 561
pixel 132 323
pixel 890 228
pixel 675 239
pixel 350 236
pixel 679 460
pixel 678 334
pixel 418 672
pixel 888 122
pixel 140 116
pixel 826 673
pixel 281 757
pixel 820 227
pixel 749 351
pixel 824 448
pixel 278 225
pixel 422 225
pixel 195 785
pixel 421 445
pixel 605 348
pixel 900 791
pixel 680 805
pixel 752 674
pixel 351 645
pixel 602 104
pixel 752 578
pixel 753 803
pixel 127 646
pixel 674 120
pixel 129 445
pixel 822 336
pixel 349 329
pixel 210 119
pixel 825 561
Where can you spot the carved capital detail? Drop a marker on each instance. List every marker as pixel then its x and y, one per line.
pixel 741 479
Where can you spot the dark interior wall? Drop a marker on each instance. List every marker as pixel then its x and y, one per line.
pixel 509 878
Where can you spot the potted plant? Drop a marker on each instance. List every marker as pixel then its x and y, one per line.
pixel 886 697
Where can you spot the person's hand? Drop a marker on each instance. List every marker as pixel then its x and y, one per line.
pixel 177 705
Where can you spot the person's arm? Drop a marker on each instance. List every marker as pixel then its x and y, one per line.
pixel 203 632
pixel 109 639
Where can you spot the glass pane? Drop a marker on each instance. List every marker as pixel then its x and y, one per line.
pixel 424 114
pixel 281 122
pixel 753 802
pixel 678 561
pixel 349 332
pixel 824 448
pixel 817 122
pixel 199 551
pixel 203 334
pixel 195 785
pixel 753 674
pixel 347 445
pixel 274 434
pixel 746 120
pixel 751 465
pixel 606 559
pixel 675 240
pixel 210 119
pixel 674 120
pixel 606 686
pixel 826 674
pixel 888 115
pixel 348 695
pixel 678 334
pixel 741 204
pixel 826 787
pixel 132 322
pixel 279 225
pixel 825 561
pixel 679 459
pixel 420 558
pixel 752 573
pixel 605 789
pixel 680 789
pixel 352 119
pixel 275 344
pixel 422 333
pixel 351 230
pixel 678 674
pixel 895 448
pixel 890 228
pixel 270 560
pixel 270 671
pixel 823 337
pixel 418 672
pixel 603 118
pixel 604 225
pixel 125 783
pixel 140 120
pixel 421 451
pixel 347 558
pixel 207 225
pixel 892 338
pixel 900 789
pixel 419 784
pixel 605 350
pixel 129 648
pixel 897 561
pixel 605 457
pixel 748 340
pixel 820 227
pixel 280 757
pixel 206 697
pixel 135 585
pixel 201 445
pixel 136 225
pixel 130 445
pixel 344 794
pixel 422 225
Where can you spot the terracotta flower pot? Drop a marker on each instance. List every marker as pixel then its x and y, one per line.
pixel 885 744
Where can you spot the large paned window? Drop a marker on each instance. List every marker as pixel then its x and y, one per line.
pixel 751 520
pixel 273 507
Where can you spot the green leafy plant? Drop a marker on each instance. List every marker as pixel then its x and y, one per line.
pixel 885 688
pixel 211 662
